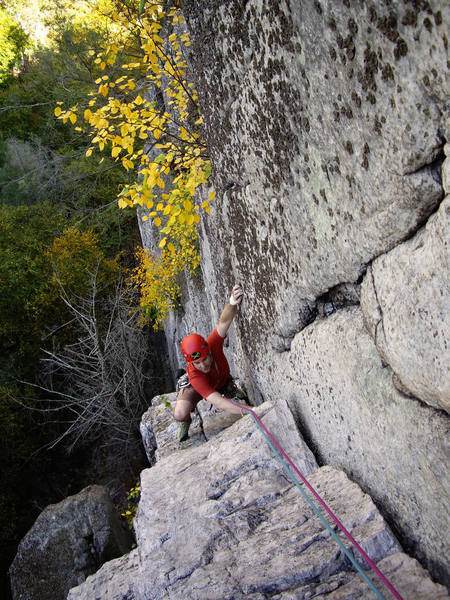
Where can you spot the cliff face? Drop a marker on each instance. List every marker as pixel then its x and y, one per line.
pixel 328 126
pixel 220 519
pixel 326 123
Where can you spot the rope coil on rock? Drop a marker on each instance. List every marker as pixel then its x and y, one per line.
pixel 288 466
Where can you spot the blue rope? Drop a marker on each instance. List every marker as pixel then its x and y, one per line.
pixel 318 512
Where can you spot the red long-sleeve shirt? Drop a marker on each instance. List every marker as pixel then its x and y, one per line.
pixel 207 383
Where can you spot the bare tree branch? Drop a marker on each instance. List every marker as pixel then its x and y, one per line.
pixel 3 108
pixel 96 384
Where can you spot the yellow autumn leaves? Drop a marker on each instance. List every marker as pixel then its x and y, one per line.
pixel 157 276
pixel 175 207
pixel 122 120
pixel 68 115
pixel 156 279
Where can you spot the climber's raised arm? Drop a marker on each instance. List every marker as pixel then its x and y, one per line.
pixel 230 310
pixel 208 373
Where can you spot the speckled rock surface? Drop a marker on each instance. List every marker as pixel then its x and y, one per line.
pixel 213 419
pixel 222 521
pixel 323 120
pixel 114 581
pixel 326 123
pixel 337 384
pixel 407 573
pixel 446 169
pixel 160 429
pixel 405 299
pixel 67 542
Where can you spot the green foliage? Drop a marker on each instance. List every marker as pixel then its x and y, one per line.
pixel 58 222
pixel 74 256
pixel 13 41
pixel 27 173
pixel 41 159
pixel 38 255
pixel 166 403
pixel 26 233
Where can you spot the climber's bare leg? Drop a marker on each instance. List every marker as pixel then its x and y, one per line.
pixel 187 400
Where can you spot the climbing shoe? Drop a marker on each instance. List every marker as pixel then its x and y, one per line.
pixel 183 432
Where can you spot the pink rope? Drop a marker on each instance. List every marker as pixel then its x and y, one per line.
pixel 321 502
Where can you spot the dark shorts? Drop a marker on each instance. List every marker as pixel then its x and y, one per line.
pixel 229 389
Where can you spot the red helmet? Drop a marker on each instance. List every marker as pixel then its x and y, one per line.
pixel 194 347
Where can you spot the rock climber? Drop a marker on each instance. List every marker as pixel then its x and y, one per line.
pixel 208 373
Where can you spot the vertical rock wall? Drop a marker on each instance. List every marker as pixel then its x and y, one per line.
pixel 325 126
pixel 326 123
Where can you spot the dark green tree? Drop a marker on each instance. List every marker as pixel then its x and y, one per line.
pixel 58 223
pixel 13 42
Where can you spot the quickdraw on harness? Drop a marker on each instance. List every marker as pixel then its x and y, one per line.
pixel 290 468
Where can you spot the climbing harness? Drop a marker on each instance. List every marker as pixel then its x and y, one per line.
pixel 289 467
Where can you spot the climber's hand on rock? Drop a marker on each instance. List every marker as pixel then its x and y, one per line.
pixel 236 295
pixel 238 403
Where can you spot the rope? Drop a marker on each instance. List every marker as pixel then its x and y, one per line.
pixel 283 459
